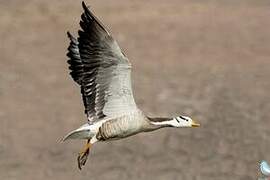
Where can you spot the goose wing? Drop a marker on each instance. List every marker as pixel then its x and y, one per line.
pixel 98 65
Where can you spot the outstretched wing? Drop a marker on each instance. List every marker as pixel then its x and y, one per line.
pixel 100 68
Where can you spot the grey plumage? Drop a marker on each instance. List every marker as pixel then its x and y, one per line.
pixel 98 65
pixel 124 126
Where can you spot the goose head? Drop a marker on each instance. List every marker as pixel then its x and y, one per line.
pixel 183 121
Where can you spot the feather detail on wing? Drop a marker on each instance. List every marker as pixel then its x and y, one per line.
pixel 98 65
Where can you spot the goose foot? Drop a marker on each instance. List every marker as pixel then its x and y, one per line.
pixel 83 155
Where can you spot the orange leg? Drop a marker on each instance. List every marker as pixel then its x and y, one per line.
pixel 83 155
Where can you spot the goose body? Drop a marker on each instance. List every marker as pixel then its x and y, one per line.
pixel 114 128
pixel 103 72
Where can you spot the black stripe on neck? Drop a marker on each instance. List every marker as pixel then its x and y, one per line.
pixel 158 119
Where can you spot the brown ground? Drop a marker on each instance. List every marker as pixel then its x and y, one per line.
pixel 207 59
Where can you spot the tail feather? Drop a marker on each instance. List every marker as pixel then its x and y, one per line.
pixel 81 133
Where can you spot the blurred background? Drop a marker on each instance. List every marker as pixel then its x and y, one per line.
pixel 206 59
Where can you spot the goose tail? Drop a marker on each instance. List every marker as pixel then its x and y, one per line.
pixel 82 132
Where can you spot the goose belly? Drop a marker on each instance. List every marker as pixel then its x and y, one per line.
pixel 120 128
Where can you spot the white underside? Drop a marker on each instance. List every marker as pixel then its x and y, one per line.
pixel 86 131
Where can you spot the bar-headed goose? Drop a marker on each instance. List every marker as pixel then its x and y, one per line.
pixel 102 71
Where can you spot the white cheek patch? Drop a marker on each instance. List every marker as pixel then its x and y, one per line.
pixel 178 119
pixel 175 122
pixel 182 121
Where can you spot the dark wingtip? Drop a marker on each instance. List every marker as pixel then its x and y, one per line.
pixel 87 11
pixel 72 38
pixel 92 17
pixel 69 35
pixel 84 6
